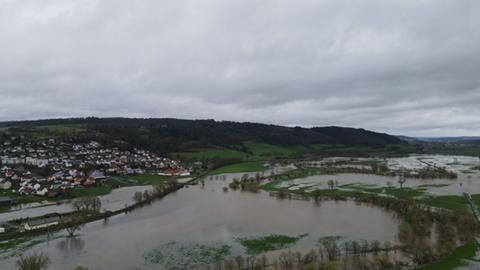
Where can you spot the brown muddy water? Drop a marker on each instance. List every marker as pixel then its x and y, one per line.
pixel 206 215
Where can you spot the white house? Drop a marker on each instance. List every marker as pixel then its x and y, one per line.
pixel 5 185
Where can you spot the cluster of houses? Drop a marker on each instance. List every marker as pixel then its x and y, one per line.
pixel 48 167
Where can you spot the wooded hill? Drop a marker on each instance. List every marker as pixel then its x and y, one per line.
pixel 176 135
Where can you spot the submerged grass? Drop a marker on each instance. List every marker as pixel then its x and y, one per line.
pixel 16 247
pixel 268 243
pixel 476 168
pixel 175 255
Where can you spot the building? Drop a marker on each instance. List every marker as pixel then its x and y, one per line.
pixel 5 200
pixel 42 223
pixel 97 176
pixel 175 172
pixel 5 185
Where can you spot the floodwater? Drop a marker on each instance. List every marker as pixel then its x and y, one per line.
pixel 468 180
pixel 205 214
pixel 115 200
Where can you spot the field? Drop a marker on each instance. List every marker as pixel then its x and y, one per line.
pixel 88 192
pixel 262 151
pixel 21 198
pixel 456 259
pixel 254 166
pixel 208 153
pixel 449 202
pixel 46 131
pixel 148 179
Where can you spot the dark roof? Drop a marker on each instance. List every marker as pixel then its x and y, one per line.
pixel 5 199
pixel 43 221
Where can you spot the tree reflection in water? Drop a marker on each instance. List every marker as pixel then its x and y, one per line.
pixel 71 244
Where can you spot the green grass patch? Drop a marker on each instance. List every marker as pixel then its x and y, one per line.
pixel 88 192
pixel 402 193
pixel 263 151
pixel 208 153
pixel 148 179
pixel 449 202
pixel 12 243
pixel 46 131
pixel 456 259
pixel 405 193
pixel 250 151
pixel 433 186
pixel 268 243
pixel 476 199
pixel 256 166
pixel 20 199
pixel 454 150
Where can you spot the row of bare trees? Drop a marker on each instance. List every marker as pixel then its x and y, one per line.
pixel 327 257
pixel 93 204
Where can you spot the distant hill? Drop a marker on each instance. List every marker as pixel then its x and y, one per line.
pixel 463 139
pixel 173 135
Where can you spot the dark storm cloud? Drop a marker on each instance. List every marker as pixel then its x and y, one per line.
pixel 408 67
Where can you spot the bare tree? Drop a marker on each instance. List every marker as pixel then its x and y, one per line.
pixel 159 188
pixel 331 249
pixel 138 197
pixel 147 195
pixel 401 181
pixel 73 225
pixel 87 204
pixel 36 261
pixel 331 184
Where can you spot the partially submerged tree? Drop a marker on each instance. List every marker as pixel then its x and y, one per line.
pixel 73 224
pixel 401 181
pixel 138 197
pixel 36 261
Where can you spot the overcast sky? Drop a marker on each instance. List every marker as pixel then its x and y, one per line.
pixel 405 67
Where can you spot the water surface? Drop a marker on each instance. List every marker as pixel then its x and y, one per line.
pixel 206 214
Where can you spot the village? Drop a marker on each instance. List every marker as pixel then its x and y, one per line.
pixel 49 167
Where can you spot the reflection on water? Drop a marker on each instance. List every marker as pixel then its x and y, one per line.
pixel 71 245
pixel 211 216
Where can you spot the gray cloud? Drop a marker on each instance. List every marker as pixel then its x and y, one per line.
pixel 404 67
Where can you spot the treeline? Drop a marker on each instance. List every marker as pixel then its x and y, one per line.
pixel 330 256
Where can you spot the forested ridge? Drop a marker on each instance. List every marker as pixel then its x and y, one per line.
pixel 169 135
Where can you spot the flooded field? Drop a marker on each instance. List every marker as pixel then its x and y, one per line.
pixel 115 200
pixel 208 218
pixel 468 179
pixel 205 217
